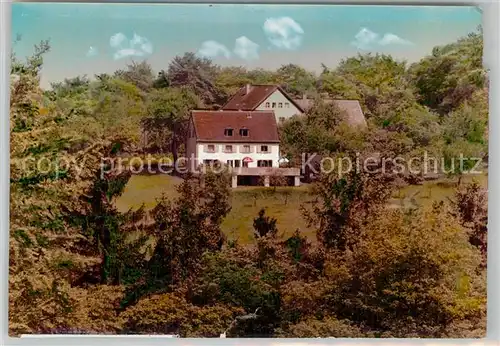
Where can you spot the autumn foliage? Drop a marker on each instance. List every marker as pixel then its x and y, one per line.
pixel 78 265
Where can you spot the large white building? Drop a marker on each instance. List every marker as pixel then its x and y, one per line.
pixel 238 139
pixel 246 141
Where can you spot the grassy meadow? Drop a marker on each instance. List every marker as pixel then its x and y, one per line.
pixel 283 203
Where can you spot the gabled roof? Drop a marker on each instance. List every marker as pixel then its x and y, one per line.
pixel 210 126
pixel 352 109
pixel 251 96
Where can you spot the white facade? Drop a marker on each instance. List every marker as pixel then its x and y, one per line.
pixel 219 152
pixel 281 105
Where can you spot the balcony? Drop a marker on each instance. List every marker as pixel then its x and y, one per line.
pixel 265 171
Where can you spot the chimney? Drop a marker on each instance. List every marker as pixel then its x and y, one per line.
pixel 304 97
pixel 247 88
pixel 249 115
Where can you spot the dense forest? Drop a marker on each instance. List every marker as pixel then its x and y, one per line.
pixel 78 265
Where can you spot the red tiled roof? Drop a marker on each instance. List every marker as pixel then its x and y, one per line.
pixel 210 125
pixel 249 97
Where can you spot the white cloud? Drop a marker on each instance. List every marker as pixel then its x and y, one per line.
pixel 126 52
pixel 391 39
pixel 213 49
pixel 137 46
pixel 366 39
pixel 142 43
pixel 246 48
pixel 283 32
pixel 92 52
pixel 117 40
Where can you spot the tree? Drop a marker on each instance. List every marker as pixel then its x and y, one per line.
pixel 234 277
pixel 70 87
pixel 371 72
pixel 451 74
pixel 38 296
pixel 343 204
pixel 419 125
pixel 264 225
pixel 189 226
pixel 460 157
pixel 33 64
pixel 324 129
pixel 378 81
pixel 410 274
pixel 468 122
pixel 261 76
pixel 25 93
pixel 374 71
pixel 296 80
pixel 161 80
pixel 471 208
pixel 118 109
pixel 53 286
pixel 138 73
pixel 168 111
pixel 231 79
pixel 327 327
pixel 171 314
pixel 198 75
pixel 104 228
pixel 337 86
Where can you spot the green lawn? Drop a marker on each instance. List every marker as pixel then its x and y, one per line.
pixel 431 191
pixel 282 203
pixel 146 189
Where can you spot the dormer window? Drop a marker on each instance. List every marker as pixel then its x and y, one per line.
pixel 228 132
pixel 244 132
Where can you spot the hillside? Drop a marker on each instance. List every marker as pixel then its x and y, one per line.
pixel 330 259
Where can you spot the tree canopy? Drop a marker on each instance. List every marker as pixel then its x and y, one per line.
pixel 77 263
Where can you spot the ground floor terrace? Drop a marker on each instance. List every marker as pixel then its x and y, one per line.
pixel 265 176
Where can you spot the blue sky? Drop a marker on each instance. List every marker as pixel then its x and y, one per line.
pixel 95 38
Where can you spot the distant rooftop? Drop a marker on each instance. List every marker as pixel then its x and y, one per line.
pixel 250 96
pixel 352 108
